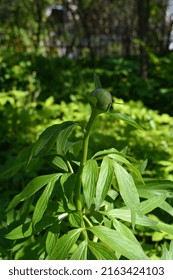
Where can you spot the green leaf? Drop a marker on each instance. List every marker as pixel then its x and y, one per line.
pixel 127 119
pixel 81 252
pixel 62 137
pixel 125 231
pixel 104 181
pixel 122 159
pixel 68 181
pixel 125 215
pixel 42 203
pixel 97 81
pixel 75 218
pixel 167 254
pixel 49 136
pixel 21 231
pixel 51 241
pixel 59 163
pixel 152 203
pixel 89 179
pixel 128 190
pixel 119 243
pixel 165 227
pixel 105 152
pixel 101 251
pixel 32 187
pixel 64 245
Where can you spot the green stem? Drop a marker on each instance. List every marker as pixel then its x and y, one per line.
pixel 94 114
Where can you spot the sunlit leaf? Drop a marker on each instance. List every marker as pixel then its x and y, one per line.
pixel 152 203
pixel 64 245
pixel 127 119
pixel 89 179
pixel 75 218
pixel 119 243
pixel 51 241
pixel 128 190
pixel 62 138
pixel 101 251
pixel 81 252
pixel 120 158
pixel 104 180
pixel 125 215
pixel 42 203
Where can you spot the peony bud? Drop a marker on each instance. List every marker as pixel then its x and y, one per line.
pixel 102 99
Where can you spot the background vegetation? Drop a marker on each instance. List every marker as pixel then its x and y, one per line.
pixel 49 51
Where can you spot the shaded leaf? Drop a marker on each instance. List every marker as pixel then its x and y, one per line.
pixel 49 136
pixel 32 187
pixel 21 231
pixel 97 81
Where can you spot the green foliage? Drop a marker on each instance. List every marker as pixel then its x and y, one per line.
pixel 90 204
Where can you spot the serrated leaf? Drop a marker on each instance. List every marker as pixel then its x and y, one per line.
pixel 32 187
pixel 119 243
pixel 64 245
pixel 128 190
pixel 89 179
pixel 127 119
pixel 42 203
pixel 97 81
pixel 101 251
pixel 104 181
pixel 81 252
pixel 19 232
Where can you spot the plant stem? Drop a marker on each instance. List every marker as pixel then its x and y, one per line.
pixel 94 114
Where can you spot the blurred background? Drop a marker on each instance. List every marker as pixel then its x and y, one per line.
pixel 49 51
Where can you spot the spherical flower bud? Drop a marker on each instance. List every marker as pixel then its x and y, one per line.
pixel 102 99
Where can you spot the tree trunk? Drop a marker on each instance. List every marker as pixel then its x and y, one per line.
pixel 143 26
